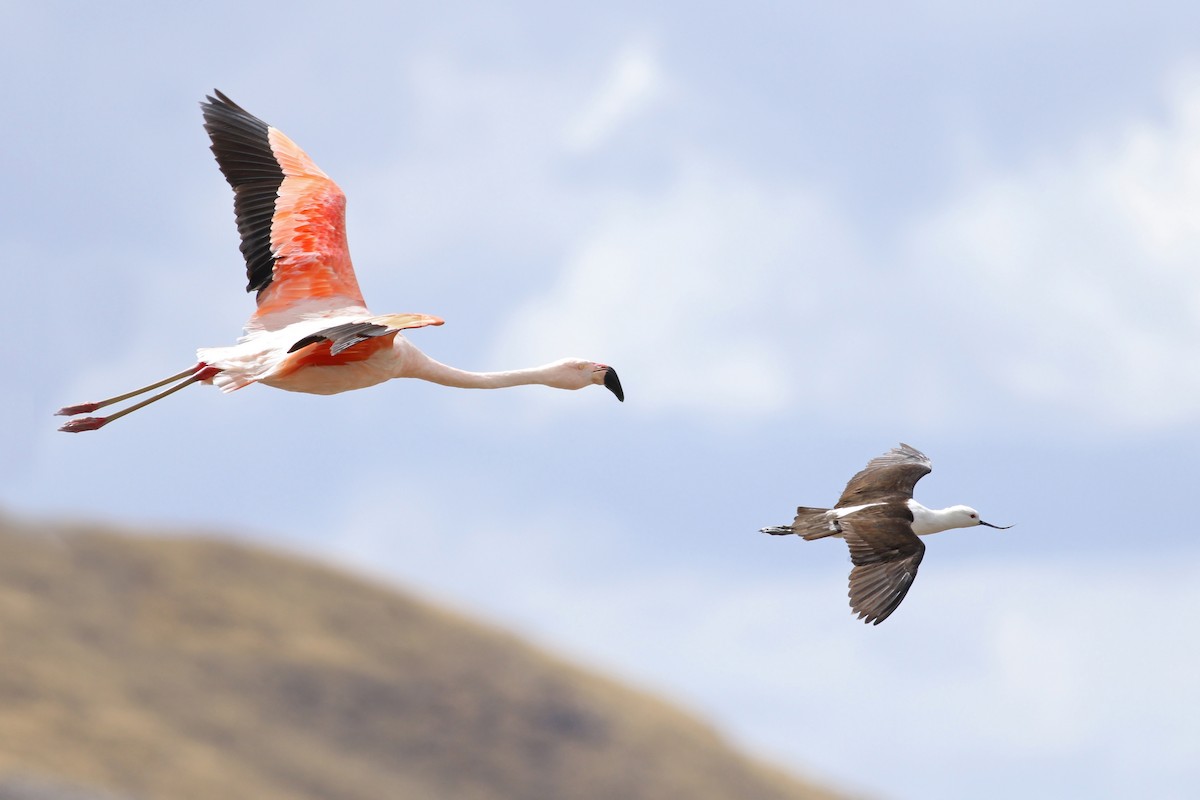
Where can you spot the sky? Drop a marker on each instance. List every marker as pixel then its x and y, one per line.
pixel 801 235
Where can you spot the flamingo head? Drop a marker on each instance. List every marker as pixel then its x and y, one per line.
pixel 576 373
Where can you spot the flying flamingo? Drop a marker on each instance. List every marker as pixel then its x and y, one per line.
pixel 311 331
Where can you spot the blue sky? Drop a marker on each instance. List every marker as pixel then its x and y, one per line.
pixel 801 237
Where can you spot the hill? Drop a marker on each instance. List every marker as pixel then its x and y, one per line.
pixel 191 668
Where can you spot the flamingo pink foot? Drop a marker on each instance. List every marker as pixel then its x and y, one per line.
pixel 84 424
pixel 71 411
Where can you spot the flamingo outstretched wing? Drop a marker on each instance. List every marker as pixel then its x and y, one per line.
pixel 291 217
pixel 347 335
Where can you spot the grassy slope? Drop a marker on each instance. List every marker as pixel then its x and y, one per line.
pixel 186 668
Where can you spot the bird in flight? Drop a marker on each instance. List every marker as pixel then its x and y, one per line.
pixel 881 523
pixel 311 331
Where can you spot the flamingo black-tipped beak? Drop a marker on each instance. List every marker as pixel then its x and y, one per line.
pixel 613 383
pixel 997 527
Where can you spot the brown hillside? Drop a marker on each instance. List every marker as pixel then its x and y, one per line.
pixel 192 668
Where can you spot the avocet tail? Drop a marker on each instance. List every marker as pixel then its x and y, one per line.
pixel 810 523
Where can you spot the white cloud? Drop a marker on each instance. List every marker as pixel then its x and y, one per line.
pixel 1080 274
pixel 697 292
pixel 1062 292
pixel 634 81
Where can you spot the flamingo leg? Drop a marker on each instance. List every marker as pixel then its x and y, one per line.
pixel 93 423
pixel 200 372
pixel 84 408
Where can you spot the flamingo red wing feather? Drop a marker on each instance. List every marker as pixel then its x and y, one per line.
pixel 290 215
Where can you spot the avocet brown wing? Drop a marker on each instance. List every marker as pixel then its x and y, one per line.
pixel 885 553
pixel 890 476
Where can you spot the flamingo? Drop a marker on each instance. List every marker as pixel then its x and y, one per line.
pixel 311 331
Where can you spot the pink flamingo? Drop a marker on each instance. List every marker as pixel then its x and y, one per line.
pixel 311 331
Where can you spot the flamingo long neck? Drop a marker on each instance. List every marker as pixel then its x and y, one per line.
pixel 931 520
pixel 428 369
